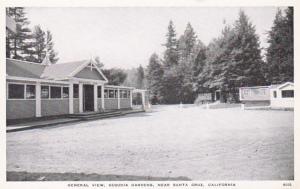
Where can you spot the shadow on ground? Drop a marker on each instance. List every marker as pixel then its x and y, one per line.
pixel 25 176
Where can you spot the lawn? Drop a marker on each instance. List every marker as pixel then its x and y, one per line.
pixel 169 142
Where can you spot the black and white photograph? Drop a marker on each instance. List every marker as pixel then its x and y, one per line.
pixel 178 94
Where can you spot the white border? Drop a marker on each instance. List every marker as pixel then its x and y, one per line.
pixel 153 3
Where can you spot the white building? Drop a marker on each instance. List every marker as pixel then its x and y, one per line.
pixel 282 95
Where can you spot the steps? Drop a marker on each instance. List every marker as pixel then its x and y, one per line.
pixel 96 115
pixel 72 118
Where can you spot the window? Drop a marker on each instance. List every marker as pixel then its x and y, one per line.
pixel 45 92
pixel 15 91
pixel 30 91
pixel 75 91
pixel 55 92
pixel 128 94
pixel 287 93
pixel 99 91
pixel 246 92
pixel 124 94
pixel 111 94
pixel 105 93
pixel 274 94
pixel 65 92
pixel 116 93
pixel 121 93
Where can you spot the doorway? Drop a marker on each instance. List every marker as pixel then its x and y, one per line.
pixel 88 98
pixel 218 95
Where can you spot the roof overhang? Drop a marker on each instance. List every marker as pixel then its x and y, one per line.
pixel 285 84
pixel 119 87
pixel 11 24
pixel 24 79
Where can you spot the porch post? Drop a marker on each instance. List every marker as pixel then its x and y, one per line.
pixel 102 97
pixel 143 99
pixel 95 97
pixel 119 105
pixel 131 91
pixel 38 112
pixel 71 107
pixel 80 97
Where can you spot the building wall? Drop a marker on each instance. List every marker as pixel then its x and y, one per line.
pixel 18 109
pixel 99 104
pixel 254 93
pixel 282 102
pixel 54 107
pixel 257 103
pixel 110 103
pixel 125 103
pixel 76 105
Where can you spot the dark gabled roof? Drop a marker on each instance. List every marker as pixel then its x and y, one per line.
pixel 24 69
pixel 61 70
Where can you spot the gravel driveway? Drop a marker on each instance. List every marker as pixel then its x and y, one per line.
pixel 200 144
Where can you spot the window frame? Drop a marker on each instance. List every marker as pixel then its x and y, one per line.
pixel 48 92
pixel 15 83
pixel 51 92
pixel 113 92
pixel 26 92
pixel 292 92
pixel 68 88
pixel 34 84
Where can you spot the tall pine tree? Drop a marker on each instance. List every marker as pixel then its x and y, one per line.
pixel 280 53
pixel 154 78
pixel 53 57
pixel 17 44
pixel 39 40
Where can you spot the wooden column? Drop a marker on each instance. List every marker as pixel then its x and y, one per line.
pixel 102 97
pixel 38 104
pixel 80 97
pixel 119 103
pixel 71 106
pixel 131 91
pixel 95 97
pixel 143 100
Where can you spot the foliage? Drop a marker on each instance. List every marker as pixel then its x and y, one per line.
pixel 154 77
pixel 230 61
pixel 115 76
pixel 26 44
pixel 280 53
pixel 16 43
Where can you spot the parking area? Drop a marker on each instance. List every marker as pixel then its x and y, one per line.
pixel 169 141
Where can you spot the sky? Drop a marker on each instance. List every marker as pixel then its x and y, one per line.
pixel 126 37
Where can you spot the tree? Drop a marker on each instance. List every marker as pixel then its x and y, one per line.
pixel 171 53
pixel 16 44
pixel 39 41
pixel 246 55
pixel 280 52
pixel 154 78
pixel 187 49
pixel 200 69
pixel 234 60
pixel 170 81
pixel 140 77
pixel 50 48
pixel 115 76
pixel 98 62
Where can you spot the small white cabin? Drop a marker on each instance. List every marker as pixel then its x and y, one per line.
pixel 282 95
